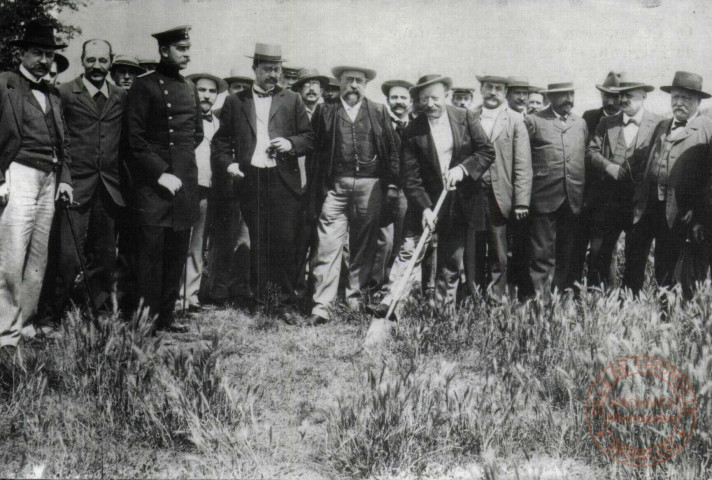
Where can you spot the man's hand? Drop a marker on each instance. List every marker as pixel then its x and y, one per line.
pixel 282 145
pixel 234 170
pixel 64 193
pixel 697 234
pixel 614 171
pixel 170 182
pixel 520 213
pixel 4 194
pixel 687 218
pixel 453 177
pixel 429 219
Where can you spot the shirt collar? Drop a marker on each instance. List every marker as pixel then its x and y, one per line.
pixel 349 107
pixel 439 122
pixel 25 73
pixel 638 116
pixel 493 112
pixel 104 90
pixel 689 119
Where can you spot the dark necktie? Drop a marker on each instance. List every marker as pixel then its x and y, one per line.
pixel 400 126
pixel 40 86
pixel 264 94
pixel 633 121
pixel 678 123
pixel 208 117
pixel 100 101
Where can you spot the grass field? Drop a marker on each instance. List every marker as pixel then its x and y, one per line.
pixel 492 392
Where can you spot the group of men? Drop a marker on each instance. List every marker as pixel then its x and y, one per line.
pixel 311 177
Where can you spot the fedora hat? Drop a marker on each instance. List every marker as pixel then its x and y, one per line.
pixel 559 87
pixel 40 35
pixel 306 74
pixel 62 62
pixel 386 86
pixel 221 84
pixel 494 79
pixel 611 82
pixel 337 71
pixel 626 84
pixel 127 61
pixel 431 79
pixel 689 81
pixel 267 53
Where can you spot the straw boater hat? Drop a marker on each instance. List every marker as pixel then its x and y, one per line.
pixel 130 62
pixel 432 79
pixel 306 74
pixel 267 53
pixel 234 77
pixel 611 82
pixel 689 81
pixel 39 35
pixel 386 86
pixel 221 84
pixel 559 87
pixel 337 71
pixel 625 84
pixel 62 62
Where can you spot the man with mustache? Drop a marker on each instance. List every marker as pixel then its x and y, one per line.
pixel 237 83
pixel 34 172
pixel 93 110
pixel 558 142
pixel 332 92
pixel 617 154
pixel 165 126
pixel 671 204
pixel 535 102
pixel 356 173
pixel 124 71
pixel 462 97
pixel 507 188
pixel 263 131
pixel 518 91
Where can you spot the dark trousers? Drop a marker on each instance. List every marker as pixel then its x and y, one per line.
pixel 607 224
pixel 95 225
pixel 551 248
pixel 489 264
pixel 272 211
pixel 162 253
pixel 668 242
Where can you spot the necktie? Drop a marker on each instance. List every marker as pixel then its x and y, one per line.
pixel 208 117
pixel 563 119
pixel 400 126
pixel 633 121
pixel 100 101
pixel 264 94
pixel 40 86
pixel 678 123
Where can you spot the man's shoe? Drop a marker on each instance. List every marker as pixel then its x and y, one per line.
pixel 315 320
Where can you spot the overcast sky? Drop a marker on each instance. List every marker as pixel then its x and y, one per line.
pixel 546 40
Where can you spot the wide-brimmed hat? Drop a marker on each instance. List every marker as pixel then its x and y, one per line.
pixel 559 87
pixel 494 79
pixel 611 82
pixel 62 62
pixel 386 86
pixel 267 53
pixel 306 74
pixel 129 62
pixel 38 34
pixel 431 79
pixel 221 84
pixel 689 81
pixel 337 71
pixel 625 84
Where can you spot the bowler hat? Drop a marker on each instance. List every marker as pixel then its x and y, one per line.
pixel 386 86
pixel 267 53
pixel 62 62
pixel 221 84
pixel 625 84
pixel 337 71
pixel 40 35
pixel 611 82
pixel 129 62
pixel 559 87
pixel 172 35
pixel 432 79
pixel 689 81
pixel 306 74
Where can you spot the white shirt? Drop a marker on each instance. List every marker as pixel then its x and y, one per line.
pixel 630 131
pixel 352 112
pixel 441 132
pixel 39 96
pixel 488 117
pixel 262 107
pixel 202 152
pixel 104 90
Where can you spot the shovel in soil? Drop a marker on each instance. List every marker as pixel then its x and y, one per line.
pixel 380 328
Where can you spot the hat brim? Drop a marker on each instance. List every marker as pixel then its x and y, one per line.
pixel 337 71
pixel 230 80
pixel 444 80
pixel 26 43
pixel 266 58
pixel 222 84
pixel 324 81
pixel 628 88
pixel 62 63
pixel 492 79
pixel 386 87
pixel 603 89
pixel 559 90
pixel 137 69
pixel 700 93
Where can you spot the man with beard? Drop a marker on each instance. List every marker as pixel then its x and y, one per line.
pixel 535 102
pixel 332 92
pixel 617 154
pixel 34 172
pixel 507 188
pixel 462 97
pixel 209 87
pixel 670 203
pixel 518 91
pixel 164 128
pixel 93 110
pixel 558 143
pixel 357 166
pixel 237 83
pixel 263 132
pixel 59 65
pixel 124 71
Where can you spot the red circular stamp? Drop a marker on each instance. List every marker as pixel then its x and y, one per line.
pixel 641 411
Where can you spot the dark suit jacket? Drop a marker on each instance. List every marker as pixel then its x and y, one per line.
pixel 12 103
pixel 236 138
pixel 689 170
pixel 592 119
pixel 95 138
pixel 512 172
pixel 558 160
pixel 421 175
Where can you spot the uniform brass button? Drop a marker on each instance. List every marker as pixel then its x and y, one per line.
pixel 170 118
pixel 170 131
pixel 160 81
pixel 171 144
pixel 165 91
pixel 168 105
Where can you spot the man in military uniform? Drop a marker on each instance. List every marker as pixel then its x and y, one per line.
pixel 164 128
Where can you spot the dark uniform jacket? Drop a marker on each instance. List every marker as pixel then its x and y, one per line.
pixel 14 98
pixel 420 170
pixel 95 137
pixel 164 127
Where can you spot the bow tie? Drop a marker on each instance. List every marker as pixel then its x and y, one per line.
pixel 40 86
pixel 208 117
pixel 634 121
pixel 678 123
pixel 263 94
